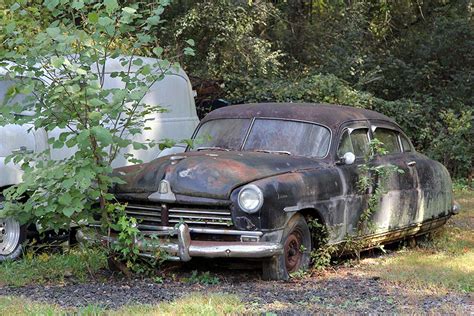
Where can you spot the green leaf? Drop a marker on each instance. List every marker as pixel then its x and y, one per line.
pixel 14 7
pixel 190 42
pixel 81 71
pixel 157 51
pixel 95 116
pixel 105 21
pixel 78 4
pixel 93 17
pixel 53 31
pixel 65 199
pixel 138 146
pixel 111 5
pixel 10 27
pixel 137 61
pixel 68 211
pixel 103 135
pixel 82 138
pixel 57 62
pixel 189 51
pixel 153 20
pixel 51 4
pixel 146 70
pixel 129 10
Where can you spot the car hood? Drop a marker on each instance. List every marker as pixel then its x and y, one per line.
pixel 208 174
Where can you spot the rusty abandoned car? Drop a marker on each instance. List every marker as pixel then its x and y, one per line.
pixel 260 172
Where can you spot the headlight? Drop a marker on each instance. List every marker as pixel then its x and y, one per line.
pixel 250 198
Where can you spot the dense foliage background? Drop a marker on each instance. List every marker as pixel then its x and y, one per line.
pixel 410 59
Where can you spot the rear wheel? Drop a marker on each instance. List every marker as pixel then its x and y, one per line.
pixel 296 243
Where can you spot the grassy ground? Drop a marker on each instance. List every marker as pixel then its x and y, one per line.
pixel 193 304
pixel 52 268
pixel 444 262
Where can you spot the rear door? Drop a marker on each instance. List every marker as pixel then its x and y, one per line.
pixel 433 184
pixel 398 206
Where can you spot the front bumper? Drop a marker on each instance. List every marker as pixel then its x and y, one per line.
pixel 179 246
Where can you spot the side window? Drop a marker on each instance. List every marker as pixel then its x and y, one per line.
pixel 360 142
pixel 389 138
pixel 344 145
pixel 357 142
pixel 405 143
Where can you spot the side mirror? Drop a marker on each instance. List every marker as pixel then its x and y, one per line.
pixel 348 158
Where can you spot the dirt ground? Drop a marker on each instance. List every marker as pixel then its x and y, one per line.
pixel 338 290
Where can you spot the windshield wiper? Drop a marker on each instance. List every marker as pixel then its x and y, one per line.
pixel 212 148
pixel 280 152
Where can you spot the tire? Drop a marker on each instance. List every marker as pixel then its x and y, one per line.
pixel 12 237
pixel 296 241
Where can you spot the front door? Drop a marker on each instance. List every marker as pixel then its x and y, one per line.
pixel 354 138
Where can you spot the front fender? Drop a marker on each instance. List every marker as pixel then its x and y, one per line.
pixel 288 193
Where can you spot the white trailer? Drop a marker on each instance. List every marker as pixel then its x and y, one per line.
pixel 174 93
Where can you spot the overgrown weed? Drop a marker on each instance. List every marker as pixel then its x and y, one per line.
pixel 46 268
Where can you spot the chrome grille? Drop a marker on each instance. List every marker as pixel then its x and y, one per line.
pixel 149 215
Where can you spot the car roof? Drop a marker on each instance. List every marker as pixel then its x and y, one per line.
pixel 325 114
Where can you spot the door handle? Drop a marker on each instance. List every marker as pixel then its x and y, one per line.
pixel 411 163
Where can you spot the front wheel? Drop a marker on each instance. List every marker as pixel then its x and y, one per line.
pixel 296 242
pixel 12 235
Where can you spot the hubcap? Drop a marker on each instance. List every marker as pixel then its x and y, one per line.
pixel 9 235
pixel 293 251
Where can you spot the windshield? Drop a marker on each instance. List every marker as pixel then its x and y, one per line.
pixel 267 135
pixel 224 133
pixel 292 137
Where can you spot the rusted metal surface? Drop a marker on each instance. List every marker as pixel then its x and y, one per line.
pixel 215 175
pixel 209 182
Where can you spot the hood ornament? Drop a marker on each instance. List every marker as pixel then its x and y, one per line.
pixel 164 193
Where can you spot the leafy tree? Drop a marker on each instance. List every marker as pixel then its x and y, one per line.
pixel 229 37
pixel 63 70
pixel 417 54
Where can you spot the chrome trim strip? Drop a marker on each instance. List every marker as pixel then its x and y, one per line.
pixel 170 230
pixel 144 213
pixel 228 223
pixel 225 231
pixel 140 207
pixel 185 216
pixel 150 219
pixel 198 211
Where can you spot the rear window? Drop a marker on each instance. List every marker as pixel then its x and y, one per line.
pixel 405 143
